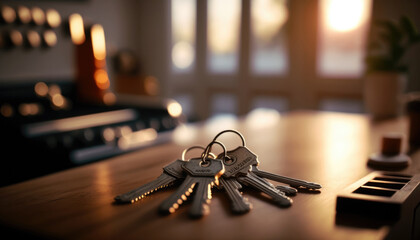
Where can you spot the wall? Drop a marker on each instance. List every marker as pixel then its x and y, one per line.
pixel 57 63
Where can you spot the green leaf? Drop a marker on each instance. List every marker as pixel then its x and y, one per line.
pixel 390 30
pixel 410 29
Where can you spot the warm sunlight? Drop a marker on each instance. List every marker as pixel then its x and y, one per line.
pixel 223 25
pixel 183 17
pixel 345 15
pixel 268 17
pixel 342 34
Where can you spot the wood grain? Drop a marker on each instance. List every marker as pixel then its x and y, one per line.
pixel 327 148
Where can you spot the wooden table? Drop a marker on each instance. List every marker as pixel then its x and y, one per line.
pixel 327 148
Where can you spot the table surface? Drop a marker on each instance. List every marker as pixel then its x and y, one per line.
pixel 327 148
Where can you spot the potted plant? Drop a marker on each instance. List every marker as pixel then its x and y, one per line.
pixel 386 73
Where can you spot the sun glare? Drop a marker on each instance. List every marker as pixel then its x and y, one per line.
pixel 345 15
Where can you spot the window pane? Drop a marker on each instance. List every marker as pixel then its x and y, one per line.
pixel 342 33
pixel 268 36
pixel 277 103
pixel 223 35
pixel 183 34
pixel 223 103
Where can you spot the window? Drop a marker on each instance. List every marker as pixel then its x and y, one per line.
pixel 269 37
pixel 183 34
pixel 239 55
pixel 342 32
pixel 223 27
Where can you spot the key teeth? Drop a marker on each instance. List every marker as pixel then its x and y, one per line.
pixel 120 199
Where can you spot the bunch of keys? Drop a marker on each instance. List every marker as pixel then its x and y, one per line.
pixel 229 170
pixel 199 175
pixel 241 167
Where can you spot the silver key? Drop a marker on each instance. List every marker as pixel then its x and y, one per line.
pixel 234 167
pixel 201 176
pixel 244 159
pixel 171 173
pixel 289 191
pixel 296 183
pixel 239 204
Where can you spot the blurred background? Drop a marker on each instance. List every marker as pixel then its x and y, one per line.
pixel 166 62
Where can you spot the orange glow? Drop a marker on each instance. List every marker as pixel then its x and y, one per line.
pixel 58 100
pixel 26 109
pixel 41 89
pixel 33 38
pixel 345 15
pixel 8 14
pixel 54 90
pixel 151 85
pixel 109 98
pixel 24 14
pixel 77 29
pixel 108 134
pixel 101 79
pixel 16 38
pixel 38 16
pixel 98 42
pixel 6 110
pixel 50 38
pixel 53 18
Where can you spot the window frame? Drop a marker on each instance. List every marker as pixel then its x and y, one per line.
pixel 302 89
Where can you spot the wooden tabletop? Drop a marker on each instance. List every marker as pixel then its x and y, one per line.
pixel 327 148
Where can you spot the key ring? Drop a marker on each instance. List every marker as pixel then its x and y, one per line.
pixel 233 131
pixel 194 147
pixel 208 149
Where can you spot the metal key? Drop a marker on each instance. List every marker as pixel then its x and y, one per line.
pixel 289 191
pixel 296 183
pixel 171 173
pixel 239 204
pixel 246 158
pixel 243 159
pixel 202 173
